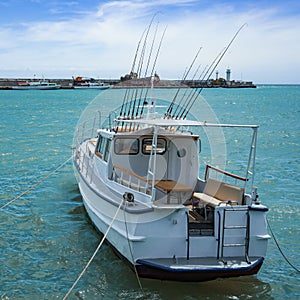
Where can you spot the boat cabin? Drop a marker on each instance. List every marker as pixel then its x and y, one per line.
pixel 131 157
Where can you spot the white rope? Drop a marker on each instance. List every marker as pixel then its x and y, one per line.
pixel 283 255
pixel 130 249
pixel 36 185
pixel 93 256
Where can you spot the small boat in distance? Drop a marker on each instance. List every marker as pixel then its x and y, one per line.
pixel 36 85
pixel 141 181
pixel 89 83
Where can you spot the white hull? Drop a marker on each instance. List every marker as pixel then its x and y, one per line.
pixel 92 87
pixel 37 87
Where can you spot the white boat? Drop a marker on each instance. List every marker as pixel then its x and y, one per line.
pixel 173 225
pixel 37 85
pixel 89 83
pixel 139 178
pixel 93 85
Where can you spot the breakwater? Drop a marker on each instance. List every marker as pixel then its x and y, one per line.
pixel 7 83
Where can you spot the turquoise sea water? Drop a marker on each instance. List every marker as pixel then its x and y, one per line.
pixel 46 237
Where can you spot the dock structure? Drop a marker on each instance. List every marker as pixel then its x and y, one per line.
pixel 219 83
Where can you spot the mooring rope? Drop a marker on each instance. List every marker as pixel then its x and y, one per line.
pixel 36 185
pixel 277 244
pixel 93 256
pixel 130 249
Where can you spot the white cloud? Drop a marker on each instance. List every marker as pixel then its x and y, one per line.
pixel 103 42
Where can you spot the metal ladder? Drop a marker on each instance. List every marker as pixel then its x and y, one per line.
pixel 226 227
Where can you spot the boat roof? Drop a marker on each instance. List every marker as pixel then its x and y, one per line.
pixel 179 122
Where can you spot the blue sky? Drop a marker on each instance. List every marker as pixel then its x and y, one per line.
pixel 98 38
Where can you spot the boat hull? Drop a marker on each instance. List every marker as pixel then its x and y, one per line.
pixel 172 268
pixel 181 270
pixel 148 269
pixel 92 87
pixel 54 87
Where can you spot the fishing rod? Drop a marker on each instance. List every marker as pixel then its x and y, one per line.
pixel 121 110
pixel 158 50
pixel 213 69
pixel 170 108
pixel 167 113
pixel 136 52
pixel 145 76
pixel 126 96
pixel 139 69
pixel 151 49
pixel 141 61
pixel 186 91
pixel 153 67
pixel 146 71
pixel 126 105
pixel 131 72
pixel 194 91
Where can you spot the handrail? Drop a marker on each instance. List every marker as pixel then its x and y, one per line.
pixel 188 237
pixel 219 235
pixel 88 128
pixel 129 172
pixel 223 172
pixel 165 185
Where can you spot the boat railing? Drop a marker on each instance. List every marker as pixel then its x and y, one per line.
pixel 88 129
pixel 84 161
pixel 112 119
pixel 145 185
pixel 248 180
pixel 226 174
pixel 229 188
pixel 130 179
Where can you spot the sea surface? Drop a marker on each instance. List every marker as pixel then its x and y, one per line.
pixel 46 238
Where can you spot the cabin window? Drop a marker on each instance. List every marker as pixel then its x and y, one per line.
pixel 126 146
pixel 160 148
pixel 107 148
pixel 100 146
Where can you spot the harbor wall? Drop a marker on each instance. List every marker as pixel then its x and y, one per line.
pixel 7 83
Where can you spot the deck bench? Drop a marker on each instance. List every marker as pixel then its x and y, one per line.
pixel 217 193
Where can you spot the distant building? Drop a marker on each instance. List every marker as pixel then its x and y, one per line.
pixel 228 75
pixel 131 75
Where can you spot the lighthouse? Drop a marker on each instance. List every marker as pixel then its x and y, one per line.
pixel 228 75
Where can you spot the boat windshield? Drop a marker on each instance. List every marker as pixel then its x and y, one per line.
pixel 126 146
pixel 161 146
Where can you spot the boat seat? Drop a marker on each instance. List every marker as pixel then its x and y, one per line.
pixel 207 200
pixel 218 193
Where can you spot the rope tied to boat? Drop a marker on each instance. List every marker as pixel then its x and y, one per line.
pixel 94 254
pixel 281 252
pixel 37 184
pixel 131 253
